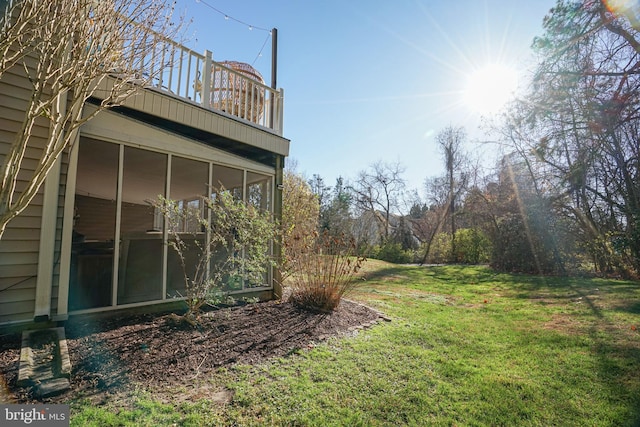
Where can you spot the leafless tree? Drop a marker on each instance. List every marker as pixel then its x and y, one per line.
pixel 64 50
pixel 378 191
pixel 450 141
pixel 427 222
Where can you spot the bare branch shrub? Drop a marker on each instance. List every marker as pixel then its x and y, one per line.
pixel 322 269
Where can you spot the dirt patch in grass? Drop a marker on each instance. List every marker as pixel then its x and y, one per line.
pixel 113 356
pixel 564 323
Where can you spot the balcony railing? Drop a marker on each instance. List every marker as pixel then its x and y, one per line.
pixel 196 78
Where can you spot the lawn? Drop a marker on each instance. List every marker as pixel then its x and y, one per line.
pixel 465 346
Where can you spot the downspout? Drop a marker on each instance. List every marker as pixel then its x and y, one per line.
pixel 277 213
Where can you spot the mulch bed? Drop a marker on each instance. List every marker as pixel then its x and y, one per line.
pixel 114 355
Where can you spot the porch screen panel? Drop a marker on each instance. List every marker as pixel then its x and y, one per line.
pixel 259 190
pixel 189 182
pixel 227 179
pixel 94 225
pixel 141 255
pixel 259 195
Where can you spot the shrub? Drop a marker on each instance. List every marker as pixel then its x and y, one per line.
pixel 392 252
pixel 472 246
pixel 321 270
pixel 222 239
pixel 440 251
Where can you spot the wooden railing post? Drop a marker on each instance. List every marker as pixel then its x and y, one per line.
pixel 279 111
pixel 206 79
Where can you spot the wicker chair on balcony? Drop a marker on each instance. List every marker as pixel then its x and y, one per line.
pixel 236 95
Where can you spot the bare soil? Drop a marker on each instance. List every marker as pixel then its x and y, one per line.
pixel 112 356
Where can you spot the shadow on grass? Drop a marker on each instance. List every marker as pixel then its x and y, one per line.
pixel 608 304
pixel 623 295
pixel 387 273
pixel 617 366
pixel 603 305
pixel 458 275
pixel 632 307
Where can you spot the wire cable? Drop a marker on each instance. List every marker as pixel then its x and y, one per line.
pixel 261 49
pixel 227 16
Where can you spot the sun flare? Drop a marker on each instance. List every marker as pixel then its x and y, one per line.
pixel 489 88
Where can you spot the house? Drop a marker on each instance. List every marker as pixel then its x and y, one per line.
pixel 91 241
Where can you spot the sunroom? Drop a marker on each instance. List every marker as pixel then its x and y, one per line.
pixel 125 160
pixel 119 250
pixel 92 241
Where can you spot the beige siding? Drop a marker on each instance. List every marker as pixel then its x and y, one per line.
pixel 111 127
pixel 20 243
pixel 151 101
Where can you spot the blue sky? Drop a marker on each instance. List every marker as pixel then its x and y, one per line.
pixel 371 80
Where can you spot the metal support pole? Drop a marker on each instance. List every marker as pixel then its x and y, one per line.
pixel 274 58
pixel 274 76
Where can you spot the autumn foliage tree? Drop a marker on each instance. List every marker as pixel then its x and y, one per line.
pixel 300 212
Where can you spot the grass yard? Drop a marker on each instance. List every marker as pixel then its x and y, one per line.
pixel 466 347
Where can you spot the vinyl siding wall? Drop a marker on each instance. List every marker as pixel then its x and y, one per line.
pixel 19 245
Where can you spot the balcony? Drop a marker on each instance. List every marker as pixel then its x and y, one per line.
pixel 223 104
pixel 228 88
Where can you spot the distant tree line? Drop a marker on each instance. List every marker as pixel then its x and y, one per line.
pixel 565 196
